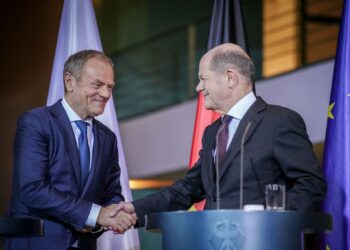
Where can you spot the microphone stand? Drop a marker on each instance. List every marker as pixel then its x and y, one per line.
pixel 217 165
pixel 241 166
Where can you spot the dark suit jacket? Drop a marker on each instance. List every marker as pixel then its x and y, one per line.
pixel 47 174
pixel 277 150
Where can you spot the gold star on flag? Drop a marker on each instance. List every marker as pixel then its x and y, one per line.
pixel 330 115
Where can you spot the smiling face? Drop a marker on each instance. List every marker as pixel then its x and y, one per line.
pixel 225 74
pixel 89 93
pixel 213 86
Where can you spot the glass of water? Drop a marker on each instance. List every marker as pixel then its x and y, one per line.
pixel 275 196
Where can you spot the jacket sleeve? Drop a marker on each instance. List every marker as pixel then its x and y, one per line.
pixel 293 151
pixel 180 196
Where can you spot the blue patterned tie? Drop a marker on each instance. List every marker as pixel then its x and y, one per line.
pixel 84 151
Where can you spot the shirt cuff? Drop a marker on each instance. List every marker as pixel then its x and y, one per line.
pixel 94 212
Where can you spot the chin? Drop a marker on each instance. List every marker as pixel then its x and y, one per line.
pixel 100 112
pixel 99 109
pixel 208 106
pixel 97 112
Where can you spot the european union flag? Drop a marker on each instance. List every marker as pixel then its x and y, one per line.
pixel 337 145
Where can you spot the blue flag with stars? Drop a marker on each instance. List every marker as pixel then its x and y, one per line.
pixel 337 144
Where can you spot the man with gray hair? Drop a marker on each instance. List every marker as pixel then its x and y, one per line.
pixel 277 147
pixel 66 169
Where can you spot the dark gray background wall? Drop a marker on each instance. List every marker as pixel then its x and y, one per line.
pixel 28 39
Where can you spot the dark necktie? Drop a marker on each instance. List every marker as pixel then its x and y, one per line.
pixel 84 151
pixel 222 138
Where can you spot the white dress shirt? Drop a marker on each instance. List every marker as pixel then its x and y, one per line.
pixel 237 112
pixel 73 116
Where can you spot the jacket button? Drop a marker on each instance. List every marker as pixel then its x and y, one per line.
pixel 213 199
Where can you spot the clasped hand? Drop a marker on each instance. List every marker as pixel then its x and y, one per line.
pixel 117 217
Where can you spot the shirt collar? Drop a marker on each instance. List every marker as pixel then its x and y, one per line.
pixel 72 115
pixel 241 107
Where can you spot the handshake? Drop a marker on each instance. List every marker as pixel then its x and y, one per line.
pixel 117 217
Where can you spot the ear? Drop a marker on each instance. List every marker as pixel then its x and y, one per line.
pixel 232 77
pixel 69 81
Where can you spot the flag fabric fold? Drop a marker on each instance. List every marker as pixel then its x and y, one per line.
pixel 78 31
pixel 226 25
pixel 336 162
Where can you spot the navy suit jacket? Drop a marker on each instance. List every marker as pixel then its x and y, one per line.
pixel 277 150
pixel 47 174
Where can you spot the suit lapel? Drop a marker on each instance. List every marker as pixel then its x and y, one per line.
pixel 60 115
pixel 99 137
pixel 211 146
pixel 254 116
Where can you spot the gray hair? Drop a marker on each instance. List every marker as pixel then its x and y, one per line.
pixel 223 59
pixel 76 62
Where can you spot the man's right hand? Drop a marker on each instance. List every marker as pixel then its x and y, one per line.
pixel 117 217
pixel 125 206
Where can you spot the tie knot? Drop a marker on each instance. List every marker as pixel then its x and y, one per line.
pixel 82 126
pixel 226 119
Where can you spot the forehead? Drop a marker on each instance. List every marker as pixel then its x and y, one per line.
pixel 204 65
pixel 98 65
pixel 99 69
pixel 97 62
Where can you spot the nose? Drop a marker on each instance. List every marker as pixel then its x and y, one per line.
pixel 199 87
pixel 105 92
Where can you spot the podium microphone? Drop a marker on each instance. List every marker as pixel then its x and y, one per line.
pixel 217 165
pixel 241 166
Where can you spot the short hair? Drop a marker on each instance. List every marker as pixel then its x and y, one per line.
pixel 76 62
pixel 222 59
